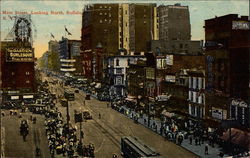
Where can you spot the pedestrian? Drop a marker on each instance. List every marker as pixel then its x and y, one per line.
pixel 196 140
pixel 206 149
pixel 190 140
pixel 221 154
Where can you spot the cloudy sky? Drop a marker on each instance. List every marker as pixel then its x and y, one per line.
pixel 46 24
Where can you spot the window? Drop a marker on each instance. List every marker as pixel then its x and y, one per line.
pixel 27 81
pixel 109 20
pixel 181 45
pixel 105 6
pixel 100 6
pixel 105 20
pixel 105 13
pixel 101 13
pixel 117 62
pixel 197 83
pixel 27 73
pixel 12 73
pixel 191 98
pixel 100 21
pixel 128 61
pixel 126 39
pixel 126 12
pixel 109 15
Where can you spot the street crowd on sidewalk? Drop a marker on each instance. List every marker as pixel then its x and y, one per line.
pixel 190 134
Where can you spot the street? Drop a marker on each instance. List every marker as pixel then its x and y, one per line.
pixel 105 133
pixel 12 142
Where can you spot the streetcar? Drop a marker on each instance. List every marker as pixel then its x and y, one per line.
pixel 69 95
pixel 132 147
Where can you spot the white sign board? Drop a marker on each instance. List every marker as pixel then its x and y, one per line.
pixel 28 96
pixel 14 97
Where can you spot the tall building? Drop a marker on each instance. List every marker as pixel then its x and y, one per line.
pixel 136 26
pixel 100 25
pixel 17 70
pixel 99 37
pixel 227 67
pixel 174 22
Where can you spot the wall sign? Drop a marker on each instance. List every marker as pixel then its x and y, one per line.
pixel 19 55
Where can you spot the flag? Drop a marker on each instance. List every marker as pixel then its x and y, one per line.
pixel 67 31
pixel 52 35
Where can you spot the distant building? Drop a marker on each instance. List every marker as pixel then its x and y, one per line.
pixel 69 51
pixel 227 68
pixel 53 46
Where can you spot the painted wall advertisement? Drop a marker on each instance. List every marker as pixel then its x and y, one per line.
pixel 20 55
pixel 240 111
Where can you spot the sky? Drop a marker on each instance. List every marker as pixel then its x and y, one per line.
pixel 46 24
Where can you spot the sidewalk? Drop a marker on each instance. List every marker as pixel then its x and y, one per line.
pixel 213 152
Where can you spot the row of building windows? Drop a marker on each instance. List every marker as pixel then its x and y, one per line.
pixel 26 73
pixel 104 7
pixel 101 13
pixel 105 20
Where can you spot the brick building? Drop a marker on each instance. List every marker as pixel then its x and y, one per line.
pixel 17 70
pixel 227 66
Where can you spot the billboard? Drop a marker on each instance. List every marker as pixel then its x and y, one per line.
pixel 22 54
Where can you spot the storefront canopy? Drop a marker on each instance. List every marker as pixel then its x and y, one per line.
pixel 167 114
pixel 238 137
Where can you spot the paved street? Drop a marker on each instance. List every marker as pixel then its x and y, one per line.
pixel 12 142
pixel 105 133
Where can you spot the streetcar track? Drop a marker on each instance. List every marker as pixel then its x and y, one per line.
pixel 108 134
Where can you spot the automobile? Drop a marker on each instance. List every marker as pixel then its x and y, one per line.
pixel 87 96
pixel 86 115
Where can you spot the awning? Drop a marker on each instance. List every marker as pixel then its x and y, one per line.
pixel 14 97
pixel 167 114
pixel 92 84
pixel 28 96
pixel 238 137
pixel 130 99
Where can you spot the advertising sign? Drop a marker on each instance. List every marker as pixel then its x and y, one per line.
pixel 219 113
pixel 24 54
pixel 241 25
